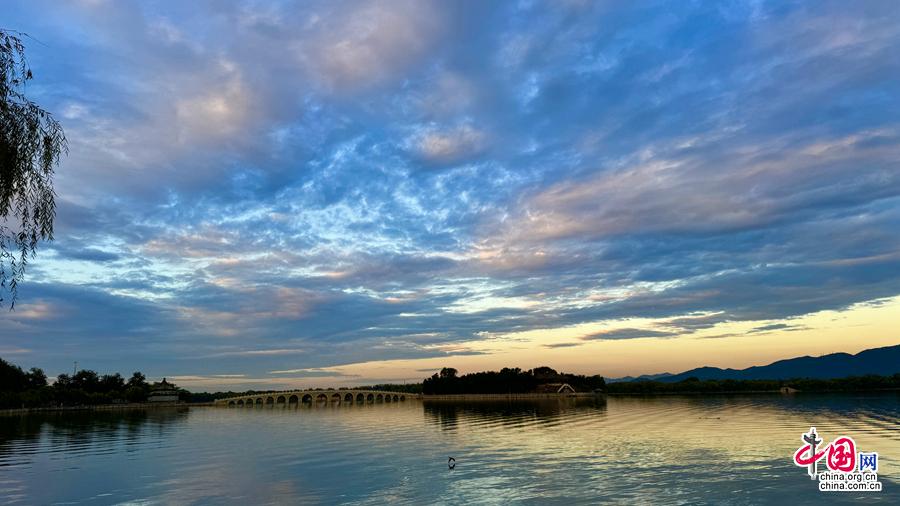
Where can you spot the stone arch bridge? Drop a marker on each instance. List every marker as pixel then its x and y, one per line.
pixel 315 397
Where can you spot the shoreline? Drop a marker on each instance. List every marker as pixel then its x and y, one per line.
pixel 456 398
pixel 513 397
pixel 757 392
pixel 103 407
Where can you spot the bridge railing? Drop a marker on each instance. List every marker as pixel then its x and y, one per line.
pixel 317 397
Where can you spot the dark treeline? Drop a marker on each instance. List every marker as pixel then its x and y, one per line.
pixel 694 385
pixel 30 389
pixel 514 381
pixel 211 396
pixel 410 388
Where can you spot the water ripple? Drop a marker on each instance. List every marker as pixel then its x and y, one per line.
pixel 665 450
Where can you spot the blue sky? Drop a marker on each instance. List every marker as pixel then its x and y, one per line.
pixel 267 193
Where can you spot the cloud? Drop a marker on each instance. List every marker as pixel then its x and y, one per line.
pixel 363 43
pixel 250 353
pixel 628 333
pixel 87 254
pixel 220 112
pixel 562 345
pixel 692 323
pixel 14 351
pixel 451 145
pixel 218 382
pixel 699 192
pixel 313 373
pixel 253 188
pixel 761 329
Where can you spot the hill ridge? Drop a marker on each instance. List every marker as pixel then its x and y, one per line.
pixel 882 361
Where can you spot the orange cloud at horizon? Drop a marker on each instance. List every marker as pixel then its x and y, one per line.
pixel 860 327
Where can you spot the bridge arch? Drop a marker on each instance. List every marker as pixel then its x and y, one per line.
pixel 249 403
pixel 348 398
pixel 307 399
pixel 322 398
pixel 335 397
pixel 280 400
pixel 293 399
pixel 402 397
pixel 360 398
pixel 270 400
pixel 231 403
pixel 240 402
pixel 387 397
pixel 379 398
pixel 370 398
pixel 259 401
pixel 396 398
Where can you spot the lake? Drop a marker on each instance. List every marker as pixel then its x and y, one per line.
pixel 656 450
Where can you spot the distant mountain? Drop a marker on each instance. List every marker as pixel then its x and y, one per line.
pixel 642 377
pixel 882 361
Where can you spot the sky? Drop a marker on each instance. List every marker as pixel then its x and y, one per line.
pixel 290 194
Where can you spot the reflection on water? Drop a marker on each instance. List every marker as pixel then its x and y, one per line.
pixel 667 450
pixel 515 413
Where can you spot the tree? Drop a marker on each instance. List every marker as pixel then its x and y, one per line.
pixel 544 372
pixel 31 143
pixel 86 380
pixel 137 380
pixel 137 387
pixel 63 381
pixel 12 377
pixel 135 394
pixel 37 378
pixel 112 383
pixel 448 372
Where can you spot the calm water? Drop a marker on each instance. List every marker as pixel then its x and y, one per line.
pixel 631 450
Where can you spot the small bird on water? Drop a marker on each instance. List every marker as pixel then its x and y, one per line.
pixel 451 462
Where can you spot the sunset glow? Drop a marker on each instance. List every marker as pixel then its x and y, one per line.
pixel 339 194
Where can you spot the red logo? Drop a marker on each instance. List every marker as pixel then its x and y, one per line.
pixel 841 453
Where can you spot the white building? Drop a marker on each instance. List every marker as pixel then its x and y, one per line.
pixel 163 392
